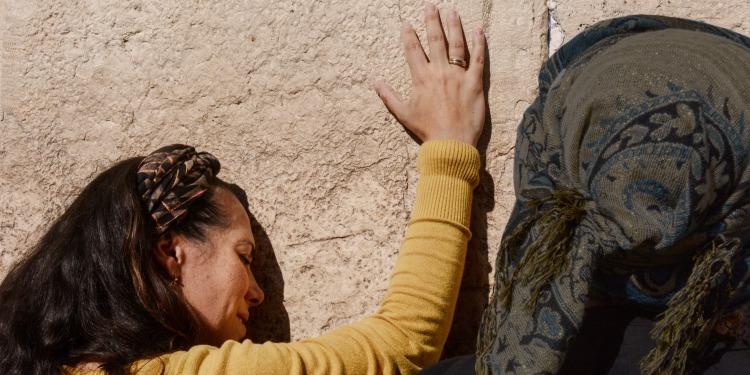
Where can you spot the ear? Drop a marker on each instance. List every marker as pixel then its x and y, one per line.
pixel 169 254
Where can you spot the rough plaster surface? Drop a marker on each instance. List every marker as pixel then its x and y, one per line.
pixel 573 16
pixel 281 93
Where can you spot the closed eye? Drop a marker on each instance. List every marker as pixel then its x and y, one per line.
pixel 246 259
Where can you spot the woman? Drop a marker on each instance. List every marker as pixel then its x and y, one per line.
pixel 148 270
pixel 632 180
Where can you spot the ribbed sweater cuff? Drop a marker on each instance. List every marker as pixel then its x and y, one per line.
pixel 448 173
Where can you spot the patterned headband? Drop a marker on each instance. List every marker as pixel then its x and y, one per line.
pixel 172 177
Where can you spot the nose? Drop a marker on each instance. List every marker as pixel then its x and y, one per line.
pixel 254 295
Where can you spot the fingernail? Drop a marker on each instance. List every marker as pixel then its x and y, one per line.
pixel 377 88
pixel 430 7
pixel 479 32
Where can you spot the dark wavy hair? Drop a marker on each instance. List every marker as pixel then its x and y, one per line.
pixel 91 290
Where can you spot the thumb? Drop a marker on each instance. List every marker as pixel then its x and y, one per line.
pixel 391 99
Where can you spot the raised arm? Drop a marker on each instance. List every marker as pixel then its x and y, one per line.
pixel 446 110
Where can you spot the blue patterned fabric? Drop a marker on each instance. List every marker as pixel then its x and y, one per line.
pixel 641 122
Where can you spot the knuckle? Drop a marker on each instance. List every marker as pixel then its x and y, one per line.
pixel 417 80
pixel 434 37
pixel 457 44
pixel 412 46
pixel 384 99
pixel 478 85
pixel 441 80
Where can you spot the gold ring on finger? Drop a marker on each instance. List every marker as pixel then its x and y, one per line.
pixel 460 62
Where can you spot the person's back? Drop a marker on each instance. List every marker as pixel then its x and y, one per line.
pixel 633 189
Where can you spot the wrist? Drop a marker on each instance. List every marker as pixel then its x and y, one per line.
pixel 449 158
pixel 469 139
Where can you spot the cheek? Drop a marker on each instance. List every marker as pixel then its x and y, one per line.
pixel 239 281
pixel 233 295
pixel 232 286
pixel 207 288
pixel 201 288
pixel 217 294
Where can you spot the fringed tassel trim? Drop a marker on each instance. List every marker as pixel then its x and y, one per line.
pixel 693 311
pixel 555 218
pixel 487 333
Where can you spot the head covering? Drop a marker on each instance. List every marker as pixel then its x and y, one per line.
pixel 632 179
pixel 170 178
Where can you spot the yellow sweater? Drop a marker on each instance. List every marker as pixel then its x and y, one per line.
pixel 410 328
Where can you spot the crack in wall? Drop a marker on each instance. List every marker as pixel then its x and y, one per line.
pixel 486 13
pixel 329 238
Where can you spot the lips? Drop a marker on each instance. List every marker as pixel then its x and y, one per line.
pixel 243 326
pixel 243 318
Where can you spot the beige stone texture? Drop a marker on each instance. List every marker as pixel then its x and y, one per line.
pixel 572 16
pixel 281 93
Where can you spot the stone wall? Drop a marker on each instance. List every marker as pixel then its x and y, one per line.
pixel 281 93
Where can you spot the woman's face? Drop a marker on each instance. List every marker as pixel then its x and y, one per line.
pixel 216 278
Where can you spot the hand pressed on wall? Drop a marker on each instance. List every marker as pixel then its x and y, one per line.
pixel 447 100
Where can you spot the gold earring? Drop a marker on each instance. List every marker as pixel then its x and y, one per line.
pixel 173 283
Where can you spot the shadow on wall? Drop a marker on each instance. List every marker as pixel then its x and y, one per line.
pixel 475 286
pixel 270 320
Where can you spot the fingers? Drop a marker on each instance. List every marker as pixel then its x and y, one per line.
pixel 456 46
pixel 476 65
pixel 415 57
pixel 435 36
pixel 392 100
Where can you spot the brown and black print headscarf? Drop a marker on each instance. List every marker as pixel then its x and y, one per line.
pixel 170 178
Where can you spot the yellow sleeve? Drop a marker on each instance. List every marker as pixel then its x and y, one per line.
pixel 410 328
